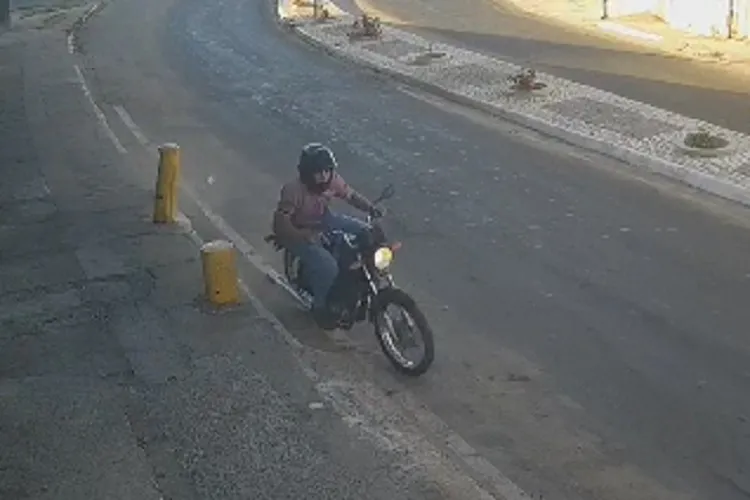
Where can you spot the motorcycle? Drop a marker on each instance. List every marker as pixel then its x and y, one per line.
pixel 364 290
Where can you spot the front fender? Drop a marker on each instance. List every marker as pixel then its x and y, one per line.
pixel 384 297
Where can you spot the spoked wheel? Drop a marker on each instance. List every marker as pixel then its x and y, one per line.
pixel 401 326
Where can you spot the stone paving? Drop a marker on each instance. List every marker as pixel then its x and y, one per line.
pixel 636 133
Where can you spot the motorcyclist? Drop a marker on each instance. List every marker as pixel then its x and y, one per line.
pixel 303 213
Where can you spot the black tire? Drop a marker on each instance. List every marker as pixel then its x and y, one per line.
pixel 395 296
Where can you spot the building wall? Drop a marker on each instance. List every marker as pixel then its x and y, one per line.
pixel 741 28
pixel 698 17
pixel 629 7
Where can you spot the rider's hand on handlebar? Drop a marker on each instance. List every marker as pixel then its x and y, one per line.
pixel 377 212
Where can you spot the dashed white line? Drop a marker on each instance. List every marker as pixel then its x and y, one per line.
pixel 134 129
pixel 98 112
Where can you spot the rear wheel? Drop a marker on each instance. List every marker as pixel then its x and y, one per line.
pixel 399 323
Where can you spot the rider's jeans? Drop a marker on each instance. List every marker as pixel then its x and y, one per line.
pixel 321 266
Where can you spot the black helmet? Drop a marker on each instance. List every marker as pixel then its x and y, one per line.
pixel 315 158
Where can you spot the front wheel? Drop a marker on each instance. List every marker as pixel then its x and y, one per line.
pixel 398 330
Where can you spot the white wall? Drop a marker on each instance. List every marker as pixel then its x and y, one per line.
pixel 700 17
pixel 629 7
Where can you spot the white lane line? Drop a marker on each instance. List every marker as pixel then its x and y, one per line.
pixel 74 32
pixel 98 112
pixel 134 129
pixel 339 392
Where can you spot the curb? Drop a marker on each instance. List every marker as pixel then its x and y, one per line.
pixel 704 182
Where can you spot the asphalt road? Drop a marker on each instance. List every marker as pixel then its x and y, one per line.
pixel 590 323
pixel 34 4
pixel 699 90
pixel 115 381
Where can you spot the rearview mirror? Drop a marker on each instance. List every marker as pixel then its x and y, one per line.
pixel 388 192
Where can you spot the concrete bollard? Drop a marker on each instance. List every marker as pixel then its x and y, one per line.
pixel 220 272
pixel 167 186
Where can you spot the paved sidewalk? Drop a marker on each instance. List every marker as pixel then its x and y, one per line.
pixel 116 381
pixel 637 133
pixel 81 290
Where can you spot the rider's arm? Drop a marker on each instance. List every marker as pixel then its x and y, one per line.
pixel 342 190
pixel 359 201
pixel 282 219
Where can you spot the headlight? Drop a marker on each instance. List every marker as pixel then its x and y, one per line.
pixel 383 258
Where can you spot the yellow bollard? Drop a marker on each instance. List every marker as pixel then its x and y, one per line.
pixel 220 272
pixel 165 202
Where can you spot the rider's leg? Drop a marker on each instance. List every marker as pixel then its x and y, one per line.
pixel 321 270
